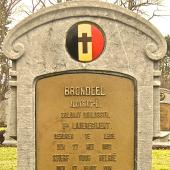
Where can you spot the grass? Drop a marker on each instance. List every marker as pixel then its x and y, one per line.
pixel 161 159
pixel 8 158
pixel 2 128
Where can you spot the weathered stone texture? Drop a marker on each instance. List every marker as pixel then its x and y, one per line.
pixel 3 113
pixel 38 44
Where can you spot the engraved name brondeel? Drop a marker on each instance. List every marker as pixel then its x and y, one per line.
pixel 84 91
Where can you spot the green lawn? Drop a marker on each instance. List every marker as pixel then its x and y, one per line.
pixel 2 128
pixel 161 159
pixel 8 158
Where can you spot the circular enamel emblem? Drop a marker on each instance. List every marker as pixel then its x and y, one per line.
pixel 85 41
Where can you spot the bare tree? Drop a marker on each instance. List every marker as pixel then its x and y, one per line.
pixel 165 67
pixel 140 6
pixel 38 4
pixel 137 6
pixel 35 5
pixel 6 7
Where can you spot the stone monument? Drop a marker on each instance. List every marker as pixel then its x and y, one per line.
pixel 165 109
pixel 3 113
pixel 85 88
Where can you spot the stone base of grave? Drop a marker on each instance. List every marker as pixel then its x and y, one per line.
pixel 164 136
pixel 9 143
pixel 161 145
pixel 163 141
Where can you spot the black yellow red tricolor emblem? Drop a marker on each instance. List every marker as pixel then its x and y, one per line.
pixel 85 41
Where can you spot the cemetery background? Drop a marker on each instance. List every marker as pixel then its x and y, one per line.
pixel 164 86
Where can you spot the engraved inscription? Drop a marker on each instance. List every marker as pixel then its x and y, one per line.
pixel 89 167
pixel 106 146
pixel 92 125
pixel 75 146
pixel 107 168
pixel 63 136
pixel 84 103
pixel 89 146
pixel 85 158
pixel 60 147
pixel 87 136
pixel 109 136
pixel 60 167
pixel 107 158
pixel 85 122
pixel 84 91
pixel 60 158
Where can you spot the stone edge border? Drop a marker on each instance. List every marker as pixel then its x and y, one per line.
pixel 60 11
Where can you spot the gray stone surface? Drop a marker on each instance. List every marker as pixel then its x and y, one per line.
pixel 161 145
pixel 3 113
pixel 156 111
pixel 37 46
pixel 12 116
pixel 9 143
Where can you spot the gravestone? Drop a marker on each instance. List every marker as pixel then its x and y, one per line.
pixel 3 113
pixel 165 110
pixel 86 80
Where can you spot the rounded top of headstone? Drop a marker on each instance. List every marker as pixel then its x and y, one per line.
pixel 14 49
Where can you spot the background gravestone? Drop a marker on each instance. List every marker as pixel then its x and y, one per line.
pixel 3 113
pixel 44 72
pixel 165 110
